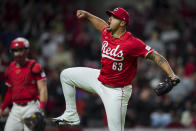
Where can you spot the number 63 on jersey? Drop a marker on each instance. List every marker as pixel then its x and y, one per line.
pixel 117 66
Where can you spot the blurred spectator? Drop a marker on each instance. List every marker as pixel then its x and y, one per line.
pixel 93 113
pixel 12 11
pixel 55 102
pixel 160 118
pixel 190 63
pixel 169 34
pixel 49 42
pixel 4 61
pixel 4 58
pixel 193 113
pixel 61 59
pixel 156 43
pixel 144 107
pixel 184 88
pixel 131 117
pixel 175 121
pixel 186 118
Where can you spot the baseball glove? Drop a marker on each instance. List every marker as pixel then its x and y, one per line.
pixel 166 86
pixel 35 122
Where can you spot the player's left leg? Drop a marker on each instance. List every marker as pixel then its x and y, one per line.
pixel 80 77
pixel 115 101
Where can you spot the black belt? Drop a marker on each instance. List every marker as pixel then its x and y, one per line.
pixel 108 86
pixel 22 103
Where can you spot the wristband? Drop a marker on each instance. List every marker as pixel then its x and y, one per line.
pixel 42 104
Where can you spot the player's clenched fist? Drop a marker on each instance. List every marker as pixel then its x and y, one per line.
pixel 81 14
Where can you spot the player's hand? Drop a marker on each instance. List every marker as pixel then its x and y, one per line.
pixel 81 14
pixel 175 80
pixel 167 85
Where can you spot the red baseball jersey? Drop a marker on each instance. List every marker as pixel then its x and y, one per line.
pixel 119 58
pixel 22 81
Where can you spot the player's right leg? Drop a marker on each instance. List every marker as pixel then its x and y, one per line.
pixel 80 77
pixel 13 122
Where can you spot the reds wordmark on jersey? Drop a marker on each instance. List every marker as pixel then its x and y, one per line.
pixel 119 58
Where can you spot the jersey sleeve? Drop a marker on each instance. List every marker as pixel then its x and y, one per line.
pixel 38 72
pixel 139 48
pixel 7 100
pixel 8 96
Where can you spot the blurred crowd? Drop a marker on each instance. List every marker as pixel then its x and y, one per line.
pixel 58 41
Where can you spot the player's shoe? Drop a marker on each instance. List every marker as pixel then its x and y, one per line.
pixel 70 119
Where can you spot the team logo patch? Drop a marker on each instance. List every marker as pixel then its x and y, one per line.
pixel 43 74
pixel 148 48
pixel 116 9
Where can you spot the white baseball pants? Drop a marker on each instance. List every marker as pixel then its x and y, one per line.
pixel 115 100
pixel 18 113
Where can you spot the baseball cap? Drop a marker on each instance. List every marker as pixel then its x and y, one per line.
pixel 19 43
pixel 120 13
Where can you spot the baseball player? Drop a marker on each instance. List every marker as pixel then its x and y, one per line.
pixel 27 89
pixel 120 51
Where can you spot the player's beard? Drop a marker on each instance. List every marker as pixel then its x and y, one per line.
pixel 110 29
pixel 19 58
